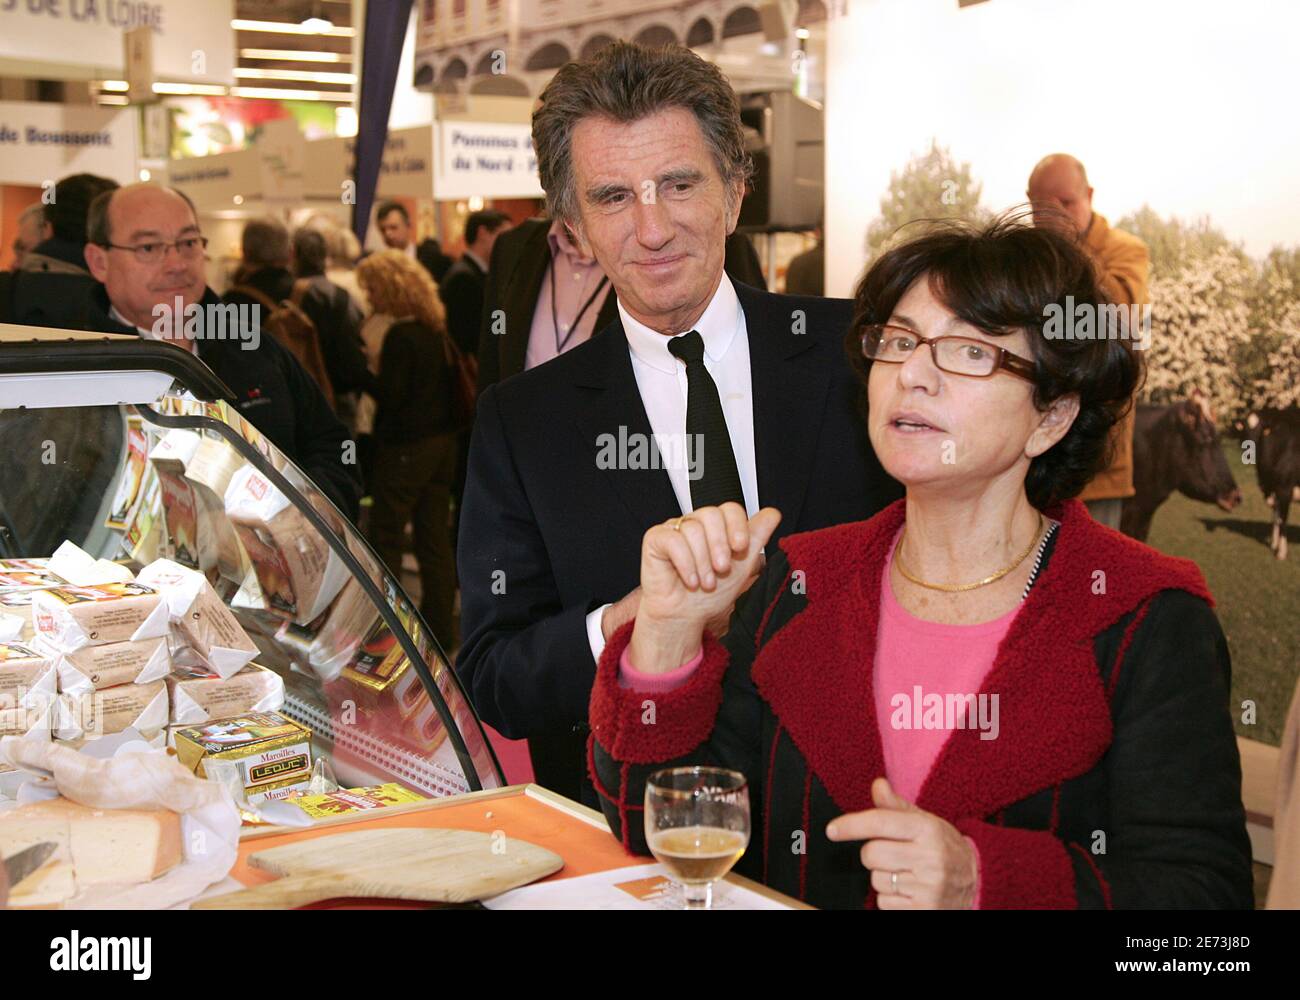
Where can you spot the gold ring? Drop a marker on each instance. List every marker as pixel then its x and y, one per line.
pixel 676 522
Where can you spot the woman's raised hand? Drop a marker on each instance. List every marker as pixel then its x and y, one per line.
pixel 692 571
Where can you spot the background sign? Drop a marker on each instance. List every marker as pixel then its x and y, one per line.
pixel 488 159
pixel 42 142
pixel 193 39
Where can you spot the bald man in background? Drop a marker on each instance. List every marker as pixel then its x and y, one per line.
pixel 1062 199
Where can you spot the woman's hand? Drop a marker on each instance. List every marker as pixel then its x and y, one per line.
pixel 691 576
pixel 937 868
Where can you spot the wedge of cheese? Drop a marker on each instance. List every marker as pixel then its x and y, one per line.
pixel 54 881
pixel 108 846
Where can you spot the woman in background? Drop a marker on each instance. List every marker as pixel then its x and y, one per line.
pixel 415 443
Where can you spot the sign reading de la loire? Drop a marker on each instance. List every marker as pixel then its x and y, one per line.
pixel 193 40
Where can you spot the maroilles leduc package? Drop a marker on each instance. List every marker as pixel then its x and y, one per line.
pixel 298 572
pixel 198 696
pixel 265 747
pixel 97 713
pixel 70 618
pixel 205 623
pixel 97 667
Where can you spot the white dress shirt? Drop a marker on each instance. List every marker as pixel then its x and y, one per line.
pixel 661 380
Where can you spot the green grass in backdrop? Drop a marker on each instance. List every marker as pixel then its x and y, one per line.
pixel 1258 597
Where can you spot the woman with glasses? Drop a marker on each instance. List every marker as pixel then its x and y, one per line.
pixel 980 697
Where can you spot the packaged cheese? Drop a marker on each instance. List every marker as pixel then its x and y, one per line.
pixel 27 574
pixel 298 573
pixel 81 569
pixel 96 667
pixel 154 739
pixel 70 618
pixel 199 696
pixel 265 747
pixel 34 719
pixel 99 713
pixel 279 791
pixel 347 800
pixel 24 675
pixel 101 846
pixel 15 628
pixel 205 623
pixel 180 502
pixel 382 674
pixel 209 471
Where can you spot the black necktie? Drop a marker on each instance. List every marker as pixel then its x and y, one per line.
pixel 714 479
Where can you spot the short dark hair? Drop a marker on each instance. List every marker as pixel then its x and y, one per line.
pixel 1002 277
pixel 489 219
pixel 387 207
pixel 98 230
pixel 627 82
pixel 309 252
pixel 265 243
pixel 73 196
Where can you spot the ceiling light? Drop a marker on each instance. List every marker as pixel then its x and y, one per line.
pixel 114 85
pixel 295 74
pixel 295 55
pixel 283 28
pixel 189 89
pixel 802 33
pixel 281 94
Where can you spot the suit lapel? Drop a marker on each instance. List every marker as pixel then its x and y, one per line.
pixel 789 384
pixel 521 299
pixel 610 404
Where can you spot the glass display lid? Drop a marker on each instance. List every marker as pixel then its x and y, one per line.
pixel 133 483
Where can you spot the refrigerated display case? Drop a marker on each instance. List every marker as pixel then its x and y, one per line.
pixel 128 448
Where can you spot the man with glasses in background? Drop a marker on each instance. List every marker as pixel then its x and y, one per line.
pixel 146 251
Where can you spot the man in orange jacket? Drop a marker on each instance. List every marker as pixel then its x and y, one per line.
pixel 1061 196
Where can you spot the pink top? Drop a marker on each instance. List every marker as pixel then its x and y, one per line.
pixel 918 665
pixel 574 280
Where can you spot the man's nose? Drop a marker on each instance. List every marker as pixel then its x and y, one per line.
pixel 654 225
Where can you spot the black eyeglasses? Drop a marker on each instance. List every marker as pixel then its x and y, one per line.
pixel 187 248
pixel 956 355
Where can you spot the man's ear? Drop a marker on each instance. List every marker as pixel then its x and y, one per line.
pixel 579 237
pixel 97 261
pixel 738 189
pixel 1054 424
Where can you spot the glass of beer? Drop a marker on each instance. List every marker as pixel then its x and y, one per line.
pixel 697 826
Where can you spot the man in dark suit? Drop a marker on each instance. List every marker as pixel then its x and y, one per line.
pixel 462 293
pixel 462 288
pixel 700 390
pixel 517 323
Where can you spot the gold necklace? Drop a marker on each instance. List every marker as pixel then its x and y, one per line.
pixel 951 588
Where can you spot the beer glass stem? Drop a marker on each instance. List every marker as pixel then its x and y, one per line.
pixel 698 897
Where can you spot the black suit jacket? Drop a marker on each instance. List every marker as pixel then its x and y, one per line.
pixel 547 536
pixel 462 293
pixel 514 281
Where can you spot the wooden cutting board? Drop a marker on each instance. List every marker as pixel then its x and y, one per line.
pixel 433 865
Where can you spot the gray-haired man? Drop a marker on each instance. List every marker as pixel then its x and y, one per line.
pixel 642 157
